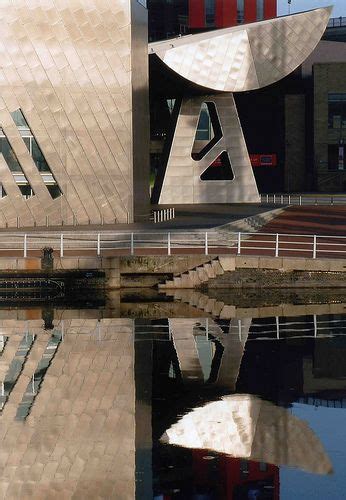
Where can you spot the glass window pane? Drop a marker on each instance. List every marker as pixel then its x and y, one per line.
pixel 26 191
pixel 27 142
pixel 337 111
pixel 203 127
pixel 260 10
pixel 54 191
pixel 38 157
pixel 240 11
pixel 210 12
pixel 19 119
pixel 9 156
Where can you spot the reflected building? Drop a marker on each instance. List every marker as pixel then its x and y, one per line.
pixel 83 405
pixel 67 408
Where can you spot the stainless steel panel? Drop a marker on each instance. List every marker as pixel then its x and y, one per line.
pixel 68 66
pixel 245 57
pixel 182 183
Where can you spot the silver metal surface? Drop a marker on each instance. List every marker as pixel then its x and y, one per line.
pixel 68 66
pixel 182 183
pixel 79 439
pixel 245 57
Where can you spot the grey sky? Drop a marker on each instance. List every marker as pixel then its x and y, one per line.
pixel 300 5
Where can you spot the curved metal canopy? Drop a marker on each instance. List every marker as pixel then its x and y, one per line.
pixel 245 57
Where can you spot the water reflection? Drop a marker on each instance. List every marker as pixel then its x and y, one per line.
pixel 67 428
pixel 247 427
pixel 220 400
pixel 86 397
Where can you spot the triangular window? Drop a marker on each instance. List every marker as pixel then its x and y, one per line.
pixel 219 170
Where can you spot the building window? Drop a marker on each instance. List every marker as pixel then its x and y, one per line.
pixel 244 468
pixel 210 12
pixel 337 111
pixel 9 155
pixel 260 10
pixel 240 11
pixel 36 154
pixel 336 157
pixel 204 128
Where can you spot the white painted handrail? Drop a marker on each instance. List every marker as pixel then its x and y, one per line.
pixel 174 242
pixel 303 199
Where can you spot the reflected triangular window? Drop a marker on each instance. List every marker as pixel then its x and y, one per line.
pixel 219 170
pixel 208 131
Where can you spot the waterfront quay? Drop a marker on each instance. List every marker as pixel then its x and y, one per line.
pixel 237 253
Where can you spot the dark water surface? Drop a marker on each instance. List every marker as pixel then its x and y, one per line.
pixel 157 400
pixel 252 408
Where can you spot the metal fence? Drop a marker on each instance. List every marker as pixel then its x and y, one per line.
pixel 162 215
pixel 336 22
pixel 175 242
pixel 303 199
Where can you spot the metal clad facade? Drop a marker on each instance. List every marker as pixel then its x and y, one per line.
pixel 67 66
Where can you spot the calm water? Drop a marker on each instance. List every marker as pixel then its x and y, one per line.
pixel 238 413
pixel 95 405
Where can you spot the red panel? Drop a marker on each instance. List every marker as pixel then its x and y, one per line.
pixel 250 11
pixel 196 14
pixel 270 9
pixel 264 160
pixel 225 13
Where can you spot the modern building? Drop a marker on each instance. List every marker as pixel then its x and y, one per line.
pixel 74 109
pixel 216 175
pixel 73 150
pixel 179 17
pixel 313 144
pixel 224 13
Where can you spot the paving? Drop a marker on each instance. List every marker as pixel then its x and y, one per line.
pixel 320 220
pixel 186 233
pixel 191 217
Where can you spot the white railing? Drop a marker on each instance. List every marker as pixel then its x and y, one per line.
pixel 303 199
pixel 174 242
pixel 163 215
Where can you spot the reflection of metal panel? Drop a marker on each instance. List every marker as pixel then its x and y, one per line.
pixel 245 57
pixel 68 67
pixel 182 183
